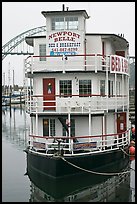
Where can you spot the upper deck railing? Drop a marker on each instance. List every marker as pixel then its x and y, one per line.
pixel 81 62
pixel 76 103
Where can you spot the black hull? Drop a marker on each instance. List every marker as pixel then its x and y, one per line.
pixel 61 189
pixel 56 167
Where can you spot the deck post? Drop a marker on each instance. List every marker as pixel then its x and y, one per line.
pixel 115 92
pixel 36 117
pixel 89 118
pixel 107 88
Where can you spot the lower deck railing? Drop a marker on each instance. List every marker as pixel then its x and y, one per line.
pixel 78 145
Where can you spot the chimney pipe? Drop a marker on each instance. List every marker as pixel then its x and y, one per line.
pixel 63 7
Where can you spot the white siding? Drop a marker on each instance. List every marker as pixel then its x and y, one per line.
pixel 96 123
pixel 94 45
pixel 110 123
pixel 37 42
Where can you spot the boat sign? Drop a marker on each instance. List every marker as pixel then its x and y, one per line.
pixel 78 146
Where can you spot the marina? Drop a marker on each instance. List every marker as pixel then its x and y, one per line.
pixel 11 99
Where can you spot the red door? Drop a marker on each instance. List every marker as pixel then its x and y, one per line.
pixel 121 122
pixel 49 93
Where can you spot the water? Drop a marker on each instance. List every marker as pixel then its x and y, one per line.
pixel 18 187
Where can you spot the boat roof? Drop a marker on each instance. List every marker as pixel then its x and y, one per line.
pixel 63 12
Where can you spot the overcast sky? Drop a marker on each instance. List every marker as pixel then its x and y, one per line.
pixel 105 17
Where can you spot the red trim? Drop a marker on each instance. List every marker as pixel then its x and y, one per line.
pixel 103 49
pixel 103 52
pixel 66 137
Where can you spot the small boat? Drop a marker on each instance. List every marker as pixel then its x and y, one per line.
pixel 17 100
pixel 77 97
pixel 13 98
pixel 5 101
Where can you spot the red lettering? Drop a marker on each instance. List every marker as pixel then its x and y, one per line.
pixel 60 39
pixel 59 33
pixel 116 59
pixel 125 65
pixel 122 65
pixel 54 35
pixel 55 39
pixel 119 65
pixel 76 35
pixel 63 38
pixel 50 36
pixel 73 39
pixel 113 63
pixel 64 33
pixel 70 33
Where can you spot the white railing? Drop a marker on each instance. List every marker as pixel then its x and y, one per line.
pixel 75 103
pixel 81 62
pixel 74 145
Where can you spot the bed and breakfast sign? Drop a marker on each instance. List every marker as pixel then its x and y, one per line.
pixel 64 43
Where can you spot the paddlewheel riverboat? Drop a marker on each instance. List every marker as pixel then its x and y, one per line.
pixel 77 87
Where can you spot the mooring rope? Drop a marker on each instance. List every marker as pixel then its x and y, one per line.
pixel 132 169
pixel 94 172
pixel 127 153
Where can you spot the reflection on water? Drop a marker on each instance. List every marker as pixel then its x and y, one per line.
pixel 81 189
pixel 37 188
pixel 15 125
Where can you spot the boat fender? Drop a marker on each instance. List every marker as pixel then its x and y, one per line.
pixel 132 150
pixel 132 143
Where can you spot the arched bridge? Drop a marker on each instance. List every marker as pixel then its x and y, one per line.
pixel 17 45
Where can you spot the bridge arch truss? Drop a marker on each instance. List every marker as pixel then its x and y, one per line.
pixel 9 47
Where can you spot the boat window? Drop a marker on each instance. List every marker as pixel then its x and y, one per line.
pixel 52 127
pixel 85 88
pixel 48 127
pixel 118 84
pixel 45 127
pixel 65 88
pixel 61 23
pixel 102 87
pixel 42 52
pixel 110 88
pixel 58 23
pixel 71 23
